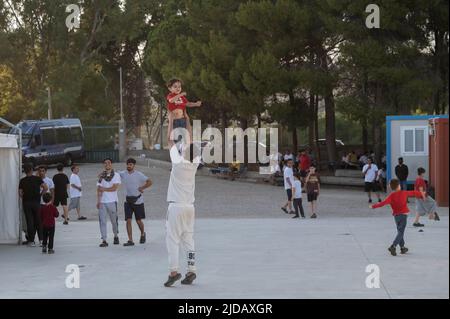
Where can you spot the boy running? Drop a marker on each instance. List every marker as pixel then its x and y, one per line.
pixel 398 201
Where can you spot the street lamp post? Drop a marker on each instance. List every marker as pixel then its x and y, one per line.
pixel 122 135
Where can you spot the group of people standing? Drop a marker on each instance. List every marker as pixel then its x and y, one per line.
pixel 41 196
pixel 294 182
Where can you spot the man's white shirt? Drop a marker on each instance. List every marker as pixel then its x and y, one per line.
pixel 182 178
pixel 50 185
pixel 75 180
pixel 288 174
pixel 110 197
pixel 371 173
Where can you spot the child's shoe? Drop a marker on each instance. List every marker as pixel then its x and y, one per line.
pixel 393 251
pixel 51 251
pixel 403 250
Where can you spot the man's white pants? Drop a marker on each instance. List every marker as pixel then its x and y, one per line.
pixel 180 230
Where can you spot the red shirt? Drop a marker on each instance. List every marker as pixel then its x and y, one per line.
pixel 48 215
pixel 173 106
pixel 398 201
pixel 420 182
pixel 305 162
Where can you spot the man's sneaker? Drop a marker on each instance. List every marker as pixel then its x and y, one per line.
pixel 172 279
pixel 296 216
pixel 403 250
pixel 393 251
pixel 143 239
pixel 65 222
pixel 418 225
pixel 44 250
pixel 82 218
pixel 313 216
pixel 31 244
pixel 189 278
pixel 436 217
pixel 284 210
pixel 116 241
pixel 51 251
pixel 128 243
pixel 104 244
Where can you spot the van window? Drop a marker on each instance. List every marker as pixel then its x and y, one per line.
pixel 76 134
pixel 48 135
pixel 63 135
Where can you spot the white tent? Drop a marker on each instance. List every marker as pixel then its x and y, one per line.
pixel 9 183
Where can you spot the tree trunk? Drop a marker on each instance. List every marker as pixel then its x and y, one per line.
pixel 311 121
pixel 377 125
pixel 365 136
pixel 330 126
pixel 294 141
pixel 316 130
pixel 330 116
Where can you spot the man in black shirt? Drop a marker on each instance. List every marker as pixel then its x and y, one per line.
pixel 401 171
pixel 61 182
pixel 30 191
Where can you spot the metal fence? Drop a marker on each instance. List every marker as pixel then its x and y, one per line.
pixel 101 142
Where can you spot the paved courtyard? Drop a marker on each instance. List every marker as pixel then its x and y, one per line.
pixel 246 248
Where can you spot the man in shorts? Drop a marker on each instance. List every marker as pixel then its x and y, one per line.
pixel 61 182
pixel 288 175
pixel 75 192
pixel 135 183
pixel 370 171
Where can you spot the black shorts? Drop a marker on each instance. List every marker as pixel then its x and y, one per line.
pixel 138 210
pixel 371 187
pixel 60 201
pixel 312 197
pixel 289 194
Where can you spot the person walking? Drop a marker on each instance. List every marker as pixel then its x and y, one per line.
pixel 107 200
pixel 402 172
pixel 50 188
pixel 426 205
pixel 370 171
pixel 30 188
pixel 48 214
pixel 75 192
pixel 135 183
pixel 61 182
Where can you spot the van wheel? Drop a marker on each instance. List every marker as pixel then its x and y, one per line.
pixel 68 161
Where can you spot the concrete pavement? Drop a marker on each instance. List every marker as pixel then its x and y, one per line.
pixel 239 258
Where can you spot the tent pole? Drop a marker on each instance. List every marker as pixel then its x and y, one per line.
pixel 20 173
